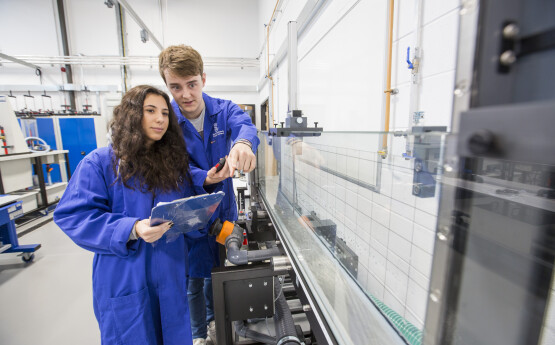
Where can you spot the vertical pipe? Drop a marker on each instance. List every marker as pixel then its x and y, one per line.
pixel 98 105
pixel 268 56
pixel 292 64
pixel 65 45
pixel 161 7
pixel 122 48
pixel 268 74
pixel 388 80
pixel 414 104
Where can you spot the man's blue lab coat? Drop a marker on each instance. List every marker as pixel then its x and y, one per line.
pixel 139 289
pixel 224 124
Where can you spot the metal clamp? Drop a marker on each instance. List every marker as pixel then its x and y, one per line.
pixel 288 338
pixel 280 263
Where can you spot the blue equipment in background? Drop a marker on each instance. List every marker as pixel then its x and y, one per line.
pixel 79 137
pixel 77 134
pixel 11 209
pixel 45 130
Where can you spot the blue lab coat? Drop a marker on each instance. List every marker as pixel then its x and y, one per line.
pixel 224 124
pixel 139 289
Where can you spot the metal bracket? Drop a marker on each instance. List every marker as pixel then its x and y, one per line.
pixel 513 47
pixel 140 22
pixel 288 339
pixel 144 36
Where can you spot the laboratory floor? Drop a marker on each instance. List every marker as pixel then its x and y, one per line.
pixel 48 301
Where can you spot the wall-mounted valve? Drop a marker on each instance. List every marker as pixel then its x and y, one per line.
pixel 411 66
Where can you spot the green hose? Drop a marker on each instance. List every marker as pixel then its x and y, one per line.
pixel 409 331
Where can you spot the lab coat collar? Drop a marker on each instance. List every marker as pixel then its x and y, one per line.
pixel 213 107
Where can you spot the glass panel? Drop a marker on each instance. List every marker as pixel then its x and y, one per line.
pixel 497 219
pixel 361 227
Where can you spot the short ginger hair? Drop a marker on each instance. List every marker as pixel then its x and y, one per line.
pixel 181 60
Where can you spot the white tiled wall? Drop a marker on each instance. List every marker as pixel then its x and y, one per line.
pixel 437 67
pixel 391 231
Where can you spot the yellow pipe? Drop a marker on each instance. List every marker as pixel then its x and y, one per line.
pixel 268 64
pixel 388 90
pixel 268 73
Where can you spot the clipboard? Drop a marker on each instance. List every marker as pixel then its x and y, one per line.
pixel 187 214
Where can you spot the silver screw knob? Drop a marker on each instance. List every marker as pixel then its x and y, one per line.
pixel 507 58
pixel 511 31
pixel 435 295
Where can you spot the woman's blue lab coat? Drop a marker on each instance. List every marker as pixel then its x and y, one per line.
pixel 139 290
pixel 224 124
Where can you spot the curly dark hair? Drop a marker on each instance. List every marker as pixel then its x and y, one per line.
pixel 162 166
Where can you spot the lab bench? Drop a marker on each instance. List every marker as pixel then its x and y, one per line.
pixel 16 176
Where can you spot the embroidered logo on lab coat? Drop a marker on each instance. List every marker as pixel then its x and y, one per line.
pixel 216 131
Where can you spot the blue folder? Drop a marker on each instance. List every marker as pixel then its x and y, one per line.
pixel 187 214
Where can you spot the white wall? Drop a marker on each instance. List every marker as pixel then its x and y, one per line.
pixel 341 61
pixel 17 38
pixel 91 28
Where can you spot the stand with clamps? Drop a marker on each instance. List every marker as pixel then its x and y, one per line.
pixel 67 109
pixel 295 125
pixel 11 209
pixel 87 108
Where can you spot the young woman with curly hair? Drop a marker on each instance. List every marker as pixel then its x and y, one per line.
pixel 139 289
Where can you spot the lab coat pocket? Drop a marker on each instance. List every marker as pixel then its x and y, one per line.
pixel 133 318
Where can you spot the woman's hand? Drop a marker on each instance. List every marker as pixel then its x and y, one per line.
pixel 151 233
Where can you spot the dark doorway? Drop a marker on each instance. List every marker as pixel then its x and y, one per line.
pixel 264 116
pixel 249 109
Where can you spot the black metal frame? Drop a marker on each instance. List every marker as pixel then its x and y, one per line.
pixel 223 275
pixel 37 164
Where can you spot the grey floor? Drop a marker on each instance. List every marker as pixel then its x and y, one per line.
pixel 49 301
